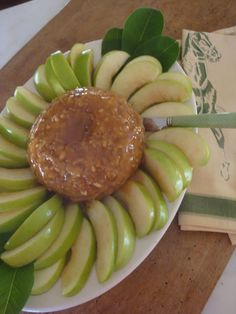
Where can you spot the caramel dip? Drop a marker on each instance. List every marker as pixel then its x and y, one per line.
pixel 86 144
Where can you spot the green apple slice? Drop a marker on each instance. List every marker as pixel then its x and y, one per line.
pixel 177 156
pixel 35 222
pixel 13 200
pixel 7 162
pixel 33 248
pixel 158 199
pixel 63 71
pixel 135 74
pixel 107 68
pixel 106 235
pixel 19 114
pixel 65 239
pixel 46 278
pixel 125 231
pixel 11 220
pixel 140 206
pixel 31 101
pixel 41 84
pixel 167 109
pixel 74 52
pixel 14 133
pixel 183 79
pixel 12 151
pixel 83 67
pixel 193 145
pixel 158 92
pixel 77 270
pixel 165 171
pixel 52 79
pixel 16 179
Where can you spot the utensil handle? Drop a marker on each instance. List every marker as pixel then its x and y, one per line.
pixel 208 120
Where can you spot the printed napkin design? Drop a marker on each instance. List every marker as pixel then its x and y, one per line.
pixel 209 59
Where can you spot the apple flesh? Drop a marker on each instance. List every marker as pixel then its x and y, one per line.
pixel 83 67
pixel 31 101
pixel 9 163
pixel 46 278
pixel 16 179
pixel 63 71
pixel 183 79
pixel 193 145
pixel 33 248
pixel 75 52
pixel 177 156
pixel 52 78
pixel 167 109
pixel 135 74
pixel 106 235
pixel 35 222
pixel 165 172
pixel 65 239
pixel 125 232
pixel 13 200
pixel 11 220
pixel 107 68
pixel 14 133
pixel 41 84
pixel 158 199
pixel 12 151
pixel 158 92
pixel 78 268
pixel 139 204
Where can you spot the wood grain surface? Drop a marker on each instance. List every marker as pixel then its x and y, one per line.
pixel 182 270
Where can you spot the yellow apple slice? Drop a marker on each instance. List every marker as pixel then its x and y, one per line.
pixel 77 270
pixel 19 114
pixel 157 92
pixel 35 222
pixel 16 179
pixel 167 109
pixel 178 157
pixel 13 200
pixel 193 145
pixel 165 171
pixel 31 101
pixel 46 278
pixel 125 231
pixel 106 235
pixel 183 79
pixel 140 206
pixel 135 74
pixel 159 202
pixel 74 52
pixel 65 239
pixel 33 248
pixel 107 68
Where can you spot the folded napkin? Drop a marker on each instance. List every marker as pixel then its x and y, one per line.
pixel 209 59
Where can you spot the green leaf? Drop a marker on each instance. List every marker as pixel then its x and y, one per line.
pixel 140 26
pixel 163 48
pixel 15 287
pixel 112 40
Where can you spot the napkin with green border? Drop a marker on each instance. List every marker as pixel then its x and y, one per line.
pixel 209 59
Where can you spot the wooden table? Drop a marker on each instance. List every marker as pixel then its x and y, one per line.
pixel 181 272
